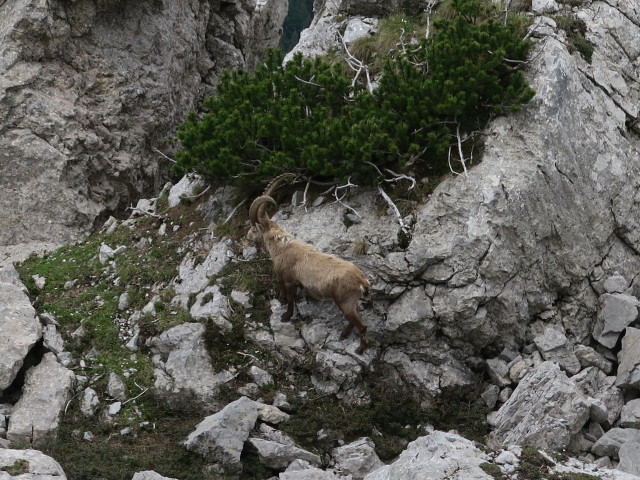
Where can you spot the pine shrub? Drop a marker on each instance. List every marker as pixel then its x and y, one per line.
pixel 309 117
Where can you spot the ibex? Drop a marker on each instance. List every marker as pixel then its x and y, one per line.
pixel 298 263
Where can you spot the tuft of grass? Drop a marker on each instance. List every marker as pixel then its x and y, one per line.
pixel 18 467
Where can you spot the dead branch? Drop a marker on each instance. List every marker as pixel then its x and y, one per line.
pixel 339 199
pixel 165 156
pixel 233 212
pixel 394 208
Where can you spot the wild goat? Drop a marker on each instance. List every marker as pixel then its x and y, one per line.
pixel 298 263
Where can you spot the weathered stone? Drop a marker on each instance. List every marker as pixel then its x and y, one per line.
pixel 630 415
pixel 545 410
pixel 271 414
pixel 278 456
pixel 194 273
pixel 150 475
pixel 596 384
pixel 554 346
pixel 116 388
pixel 629 454
pixel 41 466
pixel 357 458
pixel 498 372
pixel 588 357
pixel 186 187
pixel 89 402
pixel 220 437
pixel 183 363
pixel 46 391
pixel 609 444
pixel 260 376
pixel 53 341
pixel 20 331
pixel 436 455
pixel 302 470
pixel 629 358
pixel 617 311
pixel 490 395
pixel 615 284
pixel 90 104
pixel 212 304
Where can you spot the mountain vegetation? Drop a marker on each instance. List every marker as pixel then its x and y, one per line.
pixel 311 116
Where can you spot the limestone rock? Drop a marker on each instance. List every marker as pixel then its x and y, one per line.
pixel 150 475
pixel 609 444
pixel 94 90
pixel 279 456
pixel 303 470
pixel 617 312
pixel 357 458
pixel 629 358
pixel 437 455
pixel 629 454
pixel 183 363
pixel 46 391
pixel 588 357
pixel 116 388
pixel 20 331
pixel 554 346
pixel 605 396
pixel 220 437
pixel 89 402
pixel 616 284
pixel 41 466
pixel 630 415
pixel 544 411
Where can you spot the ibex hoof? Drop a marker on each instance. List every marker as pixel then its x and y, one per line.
pixel 285 317
pixel 361 349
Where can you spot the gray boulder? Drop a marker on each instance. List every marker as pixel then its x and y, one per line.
pixel 89 103
pixel 629 454
pixel 617 311
pixel 609 444
pixel 20 327
pixel 630 415
pixel 554 346
pixel 605 395
pixel 629 358
pixel 438 455
pixel 279 455
pixel 47 389
pixel 357 459
pixel 40 466
pixel 544 411
pixel 183 364
pixel 150 475
pixel 220 437
pixel 302 470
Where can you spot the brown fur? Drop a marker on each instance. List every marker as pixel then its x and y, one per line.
pixel 324 276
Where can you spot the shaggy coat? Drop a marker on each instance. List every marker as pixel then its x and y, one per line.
pixel 324 276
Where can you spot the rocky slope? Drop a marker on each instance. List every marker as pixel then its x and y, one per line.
pixel 525 272
pixel 90 91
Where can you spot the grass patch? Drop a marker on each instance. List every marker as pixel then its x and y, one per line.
pixel 18 467
pixel 149 446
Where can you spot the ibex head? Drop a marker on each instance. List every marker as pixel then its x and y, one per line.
pixel 258 209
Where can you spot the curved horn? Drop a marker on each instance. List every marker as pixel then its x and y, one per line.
pixel 255 212
pixel 276 182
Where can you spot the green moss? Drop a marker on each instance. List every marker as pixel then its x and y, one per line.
pixel 18 467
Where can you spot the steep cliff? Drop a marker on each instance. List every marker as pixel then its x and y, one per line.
pixel 89 89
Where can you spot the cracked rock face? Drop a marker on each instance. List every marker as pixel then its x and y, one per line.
pixel 89 90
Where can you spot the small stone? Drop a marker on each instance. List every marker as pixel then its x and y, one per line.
pixel 88 437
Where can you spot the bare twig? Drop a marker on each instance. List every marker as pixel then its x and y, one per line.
pixel 354 63
pixel 191 197
pixel 308 82
pixel 136 397
pixel 394 208
pixel 233 212
pixel 396 176
pixel 165 156
pixel 339 199
pixel 460 152
pixel 139 210
pixel 304 195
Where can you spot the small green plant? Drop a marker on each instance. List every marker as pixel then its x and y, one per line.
pixel 576 29
pixel 310 118
pixel 18 467
pixel 493 470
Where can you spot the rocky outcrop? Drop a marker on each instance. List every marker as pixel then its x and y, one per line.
pixel 89 90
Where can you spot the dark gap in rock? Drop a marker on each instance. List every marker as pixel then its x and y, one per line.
pixel 13 392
